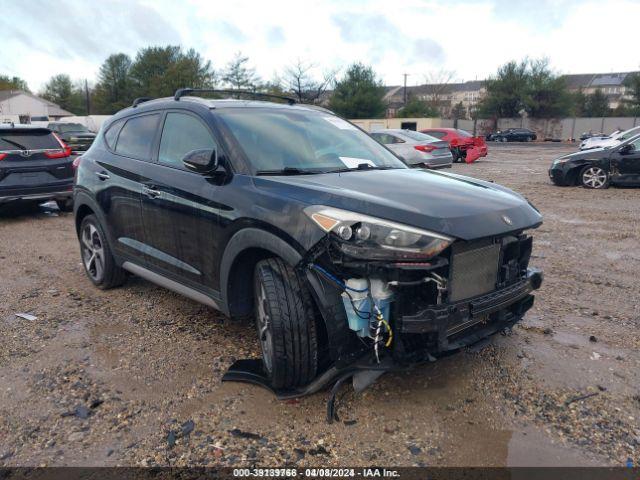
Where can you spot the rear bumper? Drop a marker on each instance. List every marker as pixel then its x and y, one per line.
pixel 45 192
pixel 461 323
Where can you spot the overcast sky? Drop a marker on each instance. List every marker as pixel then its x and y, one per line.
pixel 41 38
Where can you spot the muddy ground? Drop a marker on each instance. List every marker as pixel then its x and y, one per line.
pixel 131 376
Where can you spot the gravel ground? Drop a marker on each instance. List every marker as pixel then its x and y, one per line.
pixel 132 376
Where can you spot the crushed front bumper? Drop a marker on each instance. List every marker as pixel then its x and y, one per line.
pixel 462 323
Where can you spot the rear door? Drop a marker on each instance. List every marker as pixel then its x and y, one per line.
pixel 32 161
pixel 179 215
pixel 119 175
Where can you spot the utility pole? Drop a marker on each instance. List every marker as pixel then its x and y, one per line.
pixel 405 87
pixel 86 93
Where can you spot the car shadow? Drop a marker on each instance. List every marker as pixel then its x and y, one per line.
pixel 18 210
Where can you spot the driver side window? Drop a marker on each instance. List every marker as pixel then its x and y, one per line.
pixel 181 134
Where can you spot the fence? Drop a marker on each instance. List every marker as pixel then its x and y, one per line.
pixel 551 128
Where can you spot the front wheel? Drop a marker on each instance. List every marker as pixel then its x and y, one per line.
pixel 286 325
pixel 503 139
pixel 594 177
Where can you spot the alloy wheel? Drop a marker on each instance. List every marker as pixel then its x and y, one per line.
pixel 594 177
pixel 264 329
pixel 92 252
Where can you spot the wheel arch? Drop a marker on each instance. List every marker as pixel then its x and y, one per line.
pixel 243 251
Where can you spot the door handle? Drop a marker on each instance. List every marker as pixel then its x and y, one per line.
pixel 103 175
pixel 149 192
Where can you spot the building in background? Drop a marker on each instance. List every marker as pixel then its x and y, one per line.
pixel 24 107
pixel 611 84
pixel 444 97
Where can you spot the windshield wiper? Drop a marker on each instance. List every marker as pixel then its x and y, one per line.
pixel 19 145
pixel 361 166
pixel 289 171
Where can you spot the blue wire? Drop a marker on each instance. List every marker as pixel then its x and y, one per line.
pixel 336 280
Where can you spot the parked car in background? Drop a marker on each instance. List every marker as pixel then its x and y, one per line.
pixel 513 135
pixel 460 142
pixel 609 140
pixel 35 166
pixel 600 167
pixel 293 216
pixel 75 135
pixel 415 148
pixel 591 134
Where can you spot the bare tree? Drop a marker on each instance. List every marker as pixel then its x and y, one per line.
pixel 438 87
pixel 300 80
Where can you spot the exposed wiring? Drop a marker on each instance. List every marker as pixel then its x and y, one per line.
pixel 335 279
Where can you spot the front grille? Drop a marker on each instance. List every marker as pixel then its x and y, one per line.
pixel 474 271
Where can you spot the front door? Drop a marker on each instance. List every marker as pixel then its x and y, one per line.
pixel 627 164
pixel 177 208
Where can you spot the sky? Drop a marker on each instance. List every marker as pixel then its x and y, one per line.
pixel 469 38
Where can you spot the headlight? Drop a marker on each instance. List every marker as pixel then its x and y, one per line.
pixel 373 238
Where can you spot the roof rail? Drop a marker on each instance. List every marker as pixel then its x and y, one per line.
pixel 181 92
pixel 140 100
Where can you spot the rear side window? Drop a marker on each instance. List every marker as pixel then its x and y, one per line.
pixel 421 137
pixel 111 135
pixel 136 137
pixel 436 134
pixel 181 134
pixel 37 140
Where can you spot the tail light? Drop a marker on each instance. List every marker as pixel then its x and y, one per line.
pixel 2 156
pixel 425 148
pixel 63 153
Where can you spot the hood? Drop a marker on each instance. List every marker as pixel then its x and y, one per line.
pixel 591 154
pixel 599 142
pixel 458 206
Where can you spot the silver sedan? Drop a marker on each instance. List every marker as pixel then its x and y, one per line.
pixel 415 148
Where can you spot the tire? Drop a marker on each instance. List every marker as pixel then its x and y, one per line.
pixel 97 259
pixel 502 139
pixel 65 205
pixel 286 327
pixel 594 177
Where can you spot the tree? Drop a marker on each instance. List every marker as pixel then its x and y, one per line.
pixel 632 83
pixel 359 94
pixel 113 90
pixel 238 75
pixel 526 86
pixel 61 90
pixel 160 71
pixel 597 105
pixel 579 102
pixel 299 79
pixel 438 87
pixel 416 108
pixel 547 94
pixel 506 91
pixel 457 112
pixel 13 83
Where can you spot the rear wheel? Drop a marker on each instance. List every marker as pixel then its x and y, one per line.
pixel 594 177
pixel 97 259
pixel 286 326
pixel 502 139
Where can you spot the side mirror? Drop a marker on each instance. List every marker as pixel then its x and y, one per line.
pixel 201 161
pixel 625 149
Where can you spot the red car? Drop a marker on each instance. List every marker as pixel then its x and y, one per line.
pixel 463 145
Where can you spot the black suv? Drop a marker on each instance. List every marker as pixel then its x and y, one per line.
pixel 75 135
pixel 345 256
pixel 35 166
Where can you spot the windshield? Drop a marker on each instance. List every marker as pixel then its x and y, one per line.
pixel 421 137
pixel 464 133
pixel 628 134
pixel 275 139
pixel 27 140
pixel 71 127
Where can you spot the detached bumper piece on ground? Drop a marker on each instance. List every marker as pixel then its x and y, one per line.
pixel 392 316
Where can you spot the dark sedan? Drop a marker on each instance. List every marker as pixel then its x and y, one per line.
pixel 600 167
pixel 513 135
pixel 75 135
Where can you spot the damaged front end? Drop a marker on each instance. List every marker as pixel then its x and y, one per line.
pixel 392 296
pixel 388 291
